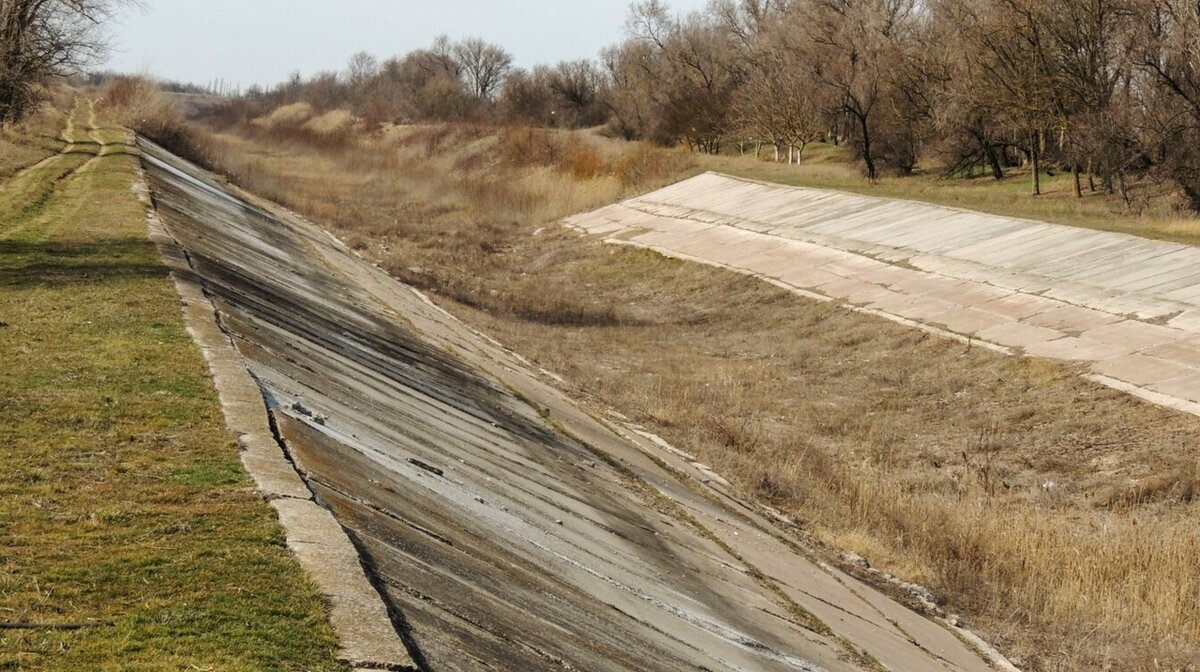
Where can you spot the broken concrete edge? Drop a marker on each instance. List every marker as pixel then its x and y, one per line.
pixel 1156 398
pixel 703 476
pixel 366 635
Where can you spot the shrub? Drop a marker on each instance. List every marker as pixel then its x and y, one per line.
pixel 138 104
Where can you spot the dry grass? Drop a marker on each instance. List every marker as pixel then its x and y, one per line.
pixel 493 187
pixel 1059 516
pixel 24 144
pixel 295 114
pixel 137 103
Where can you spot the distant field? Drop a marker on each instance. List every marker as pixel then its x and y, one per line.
pixel 929 458
pixel 132 538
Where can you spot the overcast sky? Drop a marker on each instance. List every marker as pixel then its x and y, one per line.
pixel 261 41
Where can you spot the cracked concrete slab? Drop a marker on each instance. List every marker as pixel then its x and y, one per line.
pixel 366 635
pixel 1126 307
pixel 505 525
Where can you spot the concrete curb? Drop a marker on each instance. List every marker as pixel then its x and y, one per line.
pixel 367 638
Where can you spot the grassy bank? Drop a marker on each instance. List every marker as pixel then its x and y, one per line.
pixel 133 539
pixel 1059 516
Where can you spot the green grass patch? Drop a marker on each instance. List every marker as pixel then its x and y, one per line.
pixel 124 508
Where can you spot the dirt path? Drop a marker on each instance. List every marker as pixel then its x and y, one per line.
pixel 95 138
pixel 1125 307
pixel 506 526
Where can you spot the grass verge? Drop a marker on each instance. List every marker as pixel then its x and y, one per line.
pixel 133 539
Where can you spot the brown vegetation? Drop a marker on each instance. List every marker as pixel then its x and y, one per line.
pixel 41 40
pixel 35 138
pixel 137 103
pixel 1057 515
pixel 1103 87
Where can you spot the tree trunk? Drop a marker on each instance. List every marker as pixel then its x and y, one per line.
pixel 1035 160
pixel 1076 186
pixel 1091 177
pixel 757 149
pixel 866 143
pixel 993 160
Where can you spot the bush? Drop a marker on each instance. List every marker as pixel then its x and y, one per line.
pixel 138 104
pixel 646 166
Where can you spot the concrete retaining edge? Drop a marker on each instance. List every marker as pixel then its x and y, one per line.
pixel 367 637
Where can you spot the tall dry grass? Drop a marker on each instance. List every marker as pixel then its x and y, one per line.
pixel 34 139
pixel 138 104
pixel 1058 516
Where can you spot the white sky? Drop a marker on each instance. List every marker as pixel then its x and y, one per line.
pixel 261 41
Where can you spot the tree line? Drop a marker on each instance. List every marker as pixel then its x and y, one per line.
pixel 1108 90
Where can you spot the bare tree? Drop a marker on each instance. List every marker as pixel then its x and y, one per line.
pixel 1169 36
pixel 361 67
pixel 776 101
pixel 683 74
pixel 426 85
pixel 526 96
pixel 853 48
pixel 40 39
pixel 631 100
pixel 746 20
pixel 484 66
pixel 1093 41
pixel 440 57
pixel 577 87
